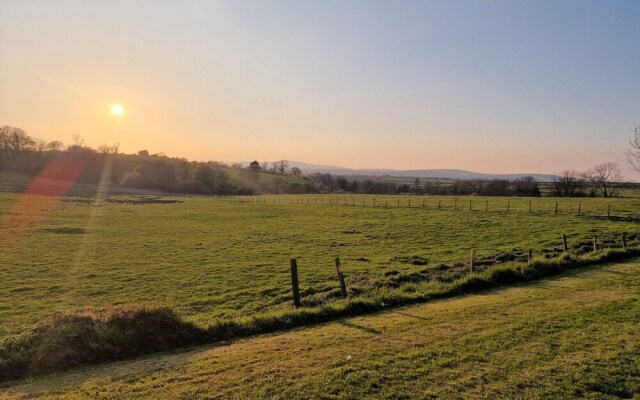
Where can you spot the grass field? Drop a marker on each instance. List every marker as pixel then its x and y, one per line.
pixel 209 259
pixel 575 336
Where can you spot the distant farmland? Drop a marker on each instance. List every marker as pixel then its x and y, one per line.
pixel 221 258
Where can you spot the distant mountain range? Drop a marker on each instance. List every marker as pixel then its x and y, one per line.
pixel 308 168
pixel 413 173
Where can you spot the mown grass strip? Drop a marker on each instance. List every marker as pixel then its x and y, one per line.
pixel 65 340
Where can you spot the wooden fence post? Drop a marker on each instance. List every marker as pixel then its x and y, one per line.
pixel 343 286
pixel 486 205
pixel 455 204
pixel 530 255
pixel 564 243
pixel 579 208
pixel 470 205
pixel 294 282
pixel 423 203
pixel 439 203
pixel 398 201
pixel 595 243
pixel 624 241
pixel 530 206
pixel 556 212
pixel 472 261
pixel 609 211
pixel 508 206
pixel 409 203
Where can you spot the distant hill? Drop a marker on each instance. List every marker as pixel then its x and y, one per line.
pixel 416 173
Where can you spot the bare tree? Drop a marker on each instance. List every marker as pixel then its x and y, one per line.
pixel 296 172
pixel 115 147
pixel 78 141
pixel 526 186
pixel 605 178
pixel 277 184
pixel 281 167
pixel 4 139
pixel 77 144
pixel 55 145
pixel 15 139
pixel 633 154
pixel 568 183
pixel 497 187
pixel 40 145
pixel 104 149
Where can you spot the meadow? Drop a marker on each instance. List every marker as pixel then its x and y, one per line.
pixel 574 336
pixel 221 258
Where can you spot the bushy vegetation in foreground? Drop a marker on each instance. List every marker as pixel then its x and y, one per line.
pixel 71 339
pixel 88 336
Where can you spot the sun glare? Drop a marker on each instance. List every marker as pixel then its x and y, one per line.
pixel 117 109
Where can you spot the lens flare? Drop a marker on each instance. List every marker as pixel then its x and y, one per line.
pixel 40 197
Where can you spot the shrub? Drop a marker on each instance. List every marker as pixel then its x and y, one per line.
pixel 89 336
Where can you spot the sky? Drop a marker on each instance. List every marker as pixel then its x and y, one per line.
pixel 489 86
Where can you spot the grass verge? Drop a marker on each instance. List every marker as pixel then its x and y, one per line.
pixel 65 340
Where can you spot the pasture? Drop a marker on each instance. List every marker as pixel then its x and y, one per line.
pixel 574 336
pixel 211 258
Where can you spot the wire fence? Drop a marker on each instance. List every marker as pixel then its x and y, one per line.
pixel 577 245
pixel 618 208
pixel 479 258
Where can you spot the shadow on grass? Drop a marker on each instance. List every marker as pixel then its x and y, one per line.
pixel 365 329
pixel 406 314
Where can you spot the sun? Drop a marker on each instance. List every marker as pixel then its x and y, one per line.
pixel 117 109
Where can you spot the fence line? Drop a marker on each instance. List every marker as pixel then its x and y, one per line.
pixel 542 206
pixel 475 262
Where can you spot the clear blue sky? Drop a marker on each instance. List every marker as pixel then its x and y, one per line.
pixel 491 86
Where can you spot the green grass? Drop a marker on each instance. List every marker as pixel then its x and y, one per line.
pixel 91 336
pixel 575 336
pixel 208 259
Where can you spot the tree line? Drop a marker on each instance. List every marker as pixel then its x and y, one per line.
pixel 603 179
pixel 525 186
pixel 22 153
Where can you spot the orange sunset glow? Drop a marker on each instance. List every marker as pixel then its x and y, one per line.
pixel 285 199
